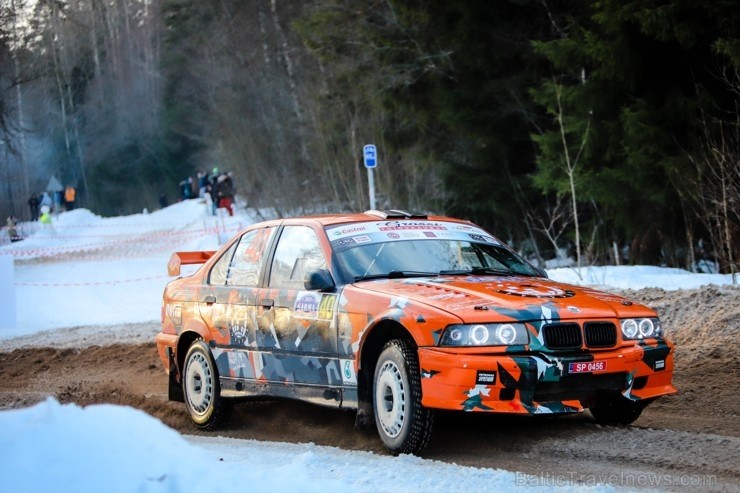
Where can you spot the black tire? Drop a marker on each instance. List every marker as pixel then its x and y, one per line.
pixel 201 388
pixel 404 425
pixel 617 411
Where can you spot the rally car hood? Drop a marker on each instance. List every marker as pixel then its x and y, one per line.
pixel 479 298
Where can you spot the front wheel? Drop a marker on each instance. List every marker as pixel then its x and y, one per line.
pixel 201 388
pixel 404 425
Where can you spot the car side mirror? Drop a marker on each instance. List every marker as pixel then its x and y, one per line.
pixel 318 280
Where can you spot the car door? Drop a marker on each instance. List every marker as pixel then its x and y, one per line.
pixel 301 324
pixel 229 304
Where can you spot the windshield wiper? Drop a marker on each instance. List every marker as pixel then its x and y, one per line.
pixel 395 274
pixel 478 271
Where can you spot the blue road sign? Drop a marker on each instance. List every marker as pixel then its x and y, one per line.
pixel 370 154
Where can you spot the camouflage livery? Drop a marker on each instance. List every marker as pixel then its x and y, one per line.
pixel 322 345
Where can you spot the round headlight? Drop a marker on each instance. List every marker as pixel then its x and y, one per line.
pixel 506 333
pixel 479 334
pixel 456 335
pixel 629 328
pixel 646 327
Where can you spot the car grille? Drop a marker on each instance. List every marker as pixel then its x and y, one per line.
pixel 562 336
pixel 600 334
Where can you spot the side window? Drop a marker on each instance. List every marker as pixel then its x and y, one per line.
pixel 298 251
pixel 220 270
pixel 249 258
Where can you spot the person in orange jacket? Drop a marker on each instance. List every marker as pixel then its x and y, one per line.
pixel 69 198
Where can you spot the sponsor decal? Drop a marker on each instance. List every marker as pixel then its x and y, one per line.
pixel 574 309
pixel 485 378
pixel 587 367
pixel 327 305
pixel 397 225
pixel 238 335
pixel 463 304
pixel 314 306
pixel 175 314
pixel 659 365
pixel 307 305
pixel 422 230
pixel 446 296
pixel 349 231
pixel 534 291
pixel 349 377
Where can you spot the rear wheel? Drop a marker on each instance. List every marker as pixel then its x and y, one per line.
pixel 617 411
pixel 201 388
pixel 404 425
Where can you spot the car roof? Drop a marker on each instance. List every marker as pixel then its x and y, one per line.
pixel 367 216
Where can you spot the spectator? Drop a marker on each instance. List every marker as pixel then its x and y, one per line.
pixel 202 182
pixel 69 198
pixel 212 197
pixel 162 200
pixel 12 231
pixel 185 189
pixel 46 200
pixel 45 218
pixel 33 204
pixel 193 186
pixel 225 190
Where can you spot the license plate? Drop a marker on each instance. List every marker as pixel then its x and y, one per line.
pixel 587 367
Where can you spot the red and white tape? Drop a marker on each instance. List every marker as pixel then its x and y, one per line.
pixel 94 283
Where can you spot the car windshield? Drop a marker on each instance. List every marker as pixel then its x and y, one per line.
pixel 430 257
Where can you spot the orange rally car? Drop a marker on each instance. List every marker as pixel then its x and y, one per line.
pixel 395 315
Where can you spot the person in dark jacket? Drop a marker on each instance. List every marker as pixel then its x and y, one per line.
pixel 225 188
pixel 33 204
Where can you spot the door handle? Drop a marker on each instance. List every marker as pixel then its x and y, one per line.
pixel 267 303
pixel 209 300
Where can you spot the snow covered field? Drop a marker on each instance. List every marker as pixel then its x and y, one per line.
pixel 84 270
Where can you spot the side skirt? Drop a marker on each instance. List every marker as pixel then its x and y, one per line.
pixel 336 397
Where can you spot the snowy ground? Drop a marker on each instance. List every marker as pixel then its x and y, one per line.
pixel 84 270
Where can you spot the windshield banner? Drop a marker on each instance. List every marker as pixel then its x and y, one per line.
pixel 347 235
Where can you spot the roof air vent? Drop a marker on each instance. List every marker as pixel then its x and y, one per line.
pixel 396 214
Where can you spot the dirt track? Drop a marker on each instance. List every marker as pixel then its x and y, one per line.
pixel 687 442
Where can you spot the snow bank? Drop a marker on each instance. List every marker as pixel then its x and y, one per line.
pixel 55 447
pixel 637 277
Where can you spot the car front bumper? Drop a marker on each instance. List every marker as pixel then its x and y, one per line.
pixel 538 383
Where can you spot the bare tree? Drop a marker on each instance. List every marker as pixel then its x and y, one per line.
pixel 571 164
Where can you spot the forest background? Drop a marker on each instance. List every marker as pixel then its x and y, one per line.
pixel 608 131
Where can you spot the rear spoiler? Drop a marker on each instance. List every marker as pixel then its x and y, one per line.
pixel 186 258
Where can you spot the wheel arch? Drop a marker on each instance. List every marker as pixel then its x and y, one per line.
pixel 372 346
pixel 183 343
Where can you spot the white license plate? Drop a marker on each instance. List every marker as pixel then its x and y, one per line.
pixel 587 367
